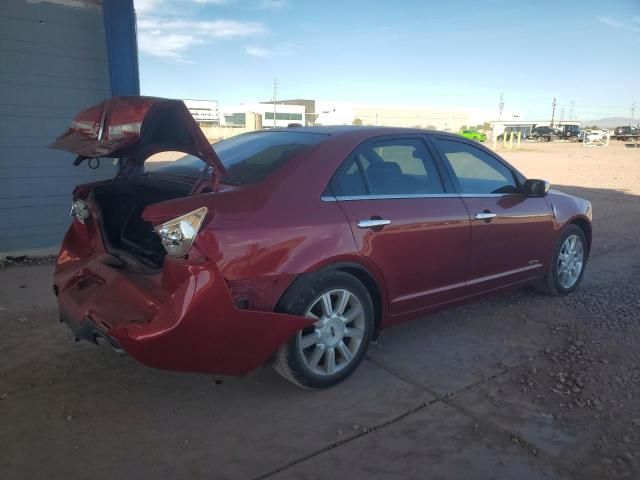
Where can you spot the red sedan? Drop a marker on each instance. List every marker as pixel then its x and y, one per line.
pixel 294 246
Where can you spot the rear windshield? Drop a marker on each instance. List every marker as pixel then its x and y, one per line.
pixel 248 158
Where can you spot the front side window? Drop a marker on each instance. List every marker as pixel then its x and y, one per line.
pixel 390 167
pixel 477 172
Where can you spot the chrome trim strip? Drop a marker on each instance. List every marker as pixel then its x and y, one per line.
pixel 411 296
pixel 503 274
pixel 341 198
pixel 488 195
pixel 388 197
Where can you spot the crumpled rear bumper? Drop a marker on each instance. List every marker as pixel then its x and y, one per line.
pixel 181 319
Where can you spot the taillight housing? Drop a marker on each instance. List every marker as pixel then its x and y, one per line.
pixel 80 210
pixel 177 235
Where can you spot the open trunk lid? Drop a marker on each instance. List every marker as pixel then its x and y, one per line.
pixel 136 128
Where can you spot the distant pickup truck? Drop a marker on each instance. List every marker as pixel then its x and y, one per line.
pixel 569 132
pixel 626 133
pixel 544 134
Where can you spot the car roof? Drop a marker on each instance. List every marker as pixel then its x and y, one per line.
pixel 331 130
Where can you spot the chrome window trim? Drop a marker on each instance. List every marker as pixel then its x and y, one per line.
pixel 488 195
pixel 326 198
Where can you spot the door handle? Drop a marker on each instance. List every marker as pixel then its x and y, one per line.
pixel 485 216
pixel 371 223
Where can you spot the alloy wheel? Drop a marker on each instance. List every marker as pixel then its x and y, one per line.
pixel 335 338
pixel 570 261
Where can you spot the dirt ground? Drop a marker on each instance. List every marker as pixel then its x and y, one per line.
pixel 517 386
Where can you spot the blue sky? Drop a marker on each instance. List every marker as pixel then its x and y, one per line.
pixel 451 54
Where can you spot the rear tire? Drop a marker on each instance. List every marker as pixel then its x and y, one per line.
pixel 568 263
pixel 329 350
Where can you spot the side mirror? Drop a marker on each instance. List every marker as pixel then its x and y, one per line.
pixel 536 188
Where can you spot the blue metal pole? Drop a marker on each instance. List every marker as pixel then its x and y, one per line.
pixel 122 46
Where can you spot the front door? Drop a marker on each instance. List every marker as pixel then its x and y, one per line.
pixel 406 220
pixel 510 232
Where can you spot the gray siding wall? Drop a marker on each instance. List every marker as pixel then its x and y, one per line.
pixel 53 63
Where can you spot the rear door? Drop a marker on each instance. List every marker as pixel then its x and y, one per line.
pixel 510 232
pixel 406 219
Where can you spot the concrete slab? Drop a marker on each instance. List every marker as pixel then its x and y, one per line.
pixel 514 411
pixel 436 442
pixel 126 421
pixel 452 350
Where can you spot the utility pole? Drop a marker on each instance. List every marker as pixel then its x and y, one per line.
pixel 275 96
pixel 501 106
pixel 633 112
pixel 553 112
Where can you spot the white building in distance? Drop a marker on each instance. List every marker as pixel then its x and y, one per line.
pixel 236 115
pixel 204 111
pixel 411 116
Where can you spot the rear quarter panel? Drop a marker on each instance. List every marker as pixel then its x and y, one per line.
pixel 279 228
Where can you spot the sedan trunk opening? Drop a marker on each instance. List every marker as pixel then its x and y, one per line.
pixel 120 204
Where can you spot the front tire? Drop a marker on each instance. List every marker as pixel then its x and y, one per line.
pixel 329 350
pixel 568 263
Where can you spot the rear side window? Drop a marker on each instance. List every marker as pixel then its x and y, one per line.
pixel 250 157
pixel 351 182
pixel 477 172
pixel 390 167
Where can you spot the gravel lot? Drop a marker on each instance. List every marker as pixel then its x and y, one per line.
pixel 516 386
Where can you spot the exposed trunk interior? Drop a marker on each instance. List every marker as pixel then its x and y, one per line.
pixel 121 203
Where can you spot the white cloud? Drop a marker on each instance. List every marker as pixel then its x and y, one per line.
pixel 170 28
pixel 144 6
pixel 170 38
pixel 263 52
pixel 621 25
pixel 161 45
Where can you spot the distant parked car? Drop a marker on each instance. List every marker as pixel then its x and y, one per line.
pixel 569 132
pixel 544 134
pixel 626 133
pixel 595 135
pixel 474 135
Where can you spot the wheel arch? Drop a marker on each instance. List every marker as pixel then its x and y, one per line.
pixel 369 281
pixel 366 276
pixel 585 226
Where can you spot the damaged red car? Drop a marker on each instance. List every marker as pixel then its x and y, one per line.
pixel 293 247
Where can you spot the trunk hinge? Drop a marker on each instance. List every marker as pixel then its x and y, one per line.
pixel 207 179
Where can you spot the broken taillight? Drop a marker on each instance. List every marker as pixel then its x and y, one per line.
pixel 80 210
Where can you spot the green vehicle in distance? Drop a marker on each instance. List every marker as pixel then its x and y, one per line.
pixel 474 135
